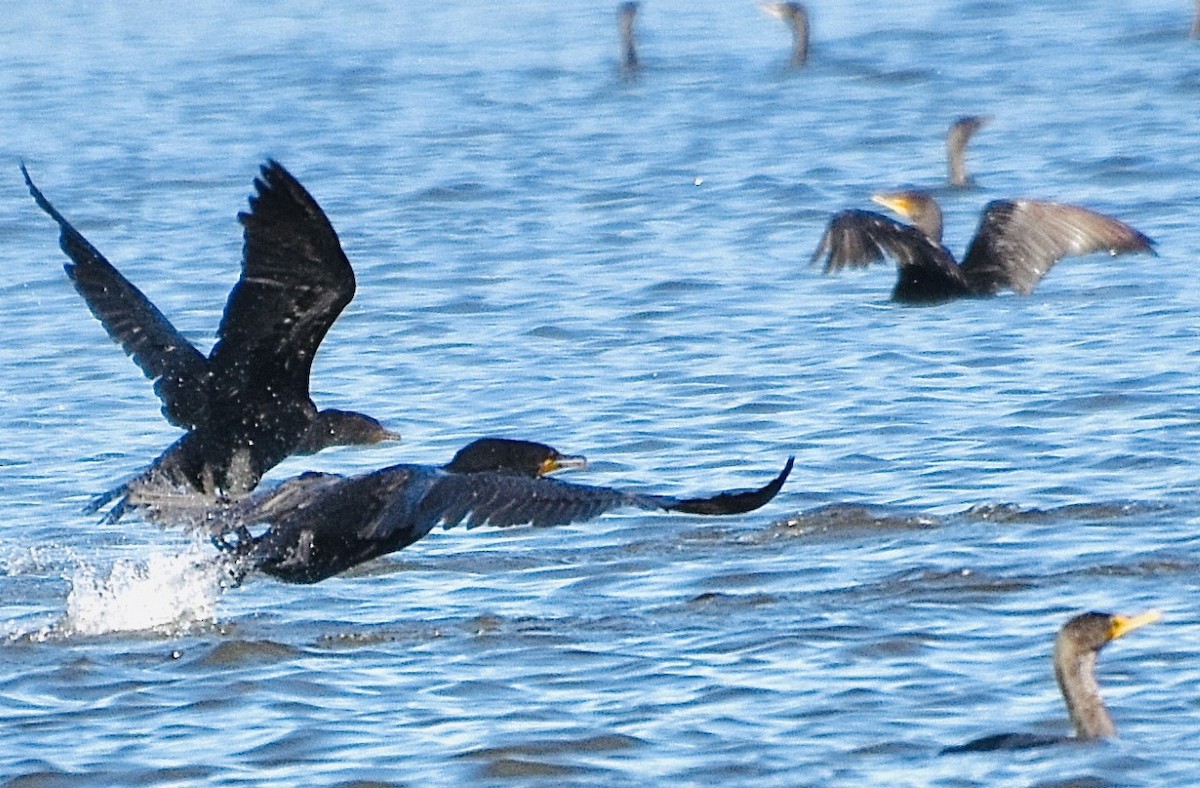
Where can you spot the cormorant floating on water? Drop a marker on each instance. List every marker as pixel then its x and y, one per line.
pixel 796 17
pixel 322 524
pixel 957 137
pixel 1075 650
pixel 1017 242
pixel 246 406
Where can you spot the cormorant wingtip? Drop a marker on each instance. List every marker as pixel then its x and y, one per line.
pixel 38 197
pixel 777 484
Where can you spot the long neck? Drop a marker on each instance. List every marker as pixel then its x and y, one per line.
pixel 799 38
pixel 629 57
pixel 1076 674
pixel 929 221
pixel 956 152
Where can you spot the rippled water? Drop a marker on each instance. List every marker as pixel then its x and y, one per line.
pixel 618 268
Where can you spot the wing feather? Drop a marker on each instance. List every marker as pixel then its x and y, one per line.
pixel 178 369
pixel 295 282
pixel 1019 241
pixel 856 239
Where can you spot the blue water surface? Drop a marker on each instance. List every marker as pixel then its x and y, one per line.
pixel 618 267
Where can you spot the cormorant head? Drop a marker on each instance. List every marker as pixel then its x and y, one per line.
pixel 1075 651
pixel 332 427
pixel 917 207
pixel 1090 632
pixel 525 458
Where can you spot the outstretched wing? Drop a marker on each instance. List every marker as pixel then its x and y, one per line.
pixel 1018 241
pixel 295 282
pixel 732 502
pixel 177 368
pixel 856 239
pixel 501 499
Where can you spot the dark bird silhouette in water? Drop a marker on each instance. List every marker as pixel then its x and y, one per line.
pixel 246 406
pixel 957 137
pixel 626 14
pixel 319 524
pixel 1075 651
pixel 795 16
pixel 1017 242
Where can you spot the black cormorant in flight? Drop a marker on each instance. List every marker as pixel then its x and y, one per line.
pixel 246 406
pixel 1075 650
pixel 319 524
pixel 1017 242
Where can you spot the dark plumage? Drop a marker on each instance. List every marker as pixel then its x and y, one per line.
pixel 246 406
pixel 796 17
pixel 322 524
pixel 1075 649
pixel 1017 242
pixel 957 137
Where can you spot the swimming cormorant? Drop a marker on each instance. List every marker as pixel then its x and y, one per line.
pixel 796 17
pixel 1075 650
pixel 1017 242
pixel 626 14
pixel 322 524
pixel 957 138
pixel 246 406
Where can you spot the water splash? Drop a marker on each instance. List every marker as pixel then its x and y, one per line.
pixel 165 592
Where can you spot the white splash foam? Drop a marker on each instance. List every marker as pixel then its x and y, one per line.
pixel 164 592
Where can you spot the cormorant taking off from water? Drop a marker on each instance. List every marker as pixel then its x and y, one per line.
pixel 246 407
pixel 957 137
pixel 626 14
pixel 322 524
pixel 1075 650
pixel 1017 242
pixel 796 17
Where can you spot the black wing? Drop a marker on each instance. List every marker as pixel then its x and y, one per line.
pixel 1018 241
pixel 177 368
pixel 856 239
pixel 733 502
pixel 295 282
pixel 502 500
pixel 413 499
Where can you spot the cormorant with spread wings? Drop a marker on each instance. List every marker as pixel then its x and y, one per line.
pixel 246 406
pixel 321 524
pixel 1017 242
